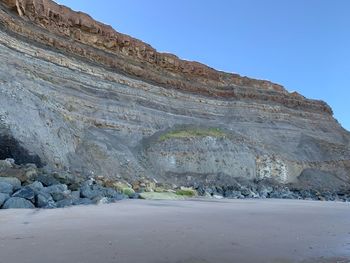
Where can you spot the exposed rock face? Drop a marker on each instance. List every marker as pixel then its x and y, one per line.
pixel 77 95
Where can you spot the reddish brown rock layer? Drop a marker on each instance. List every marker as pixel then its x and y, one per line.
pixel 100 43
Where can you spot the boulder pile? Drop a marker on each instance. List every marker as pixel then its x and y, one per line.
pixel 271 189
pixel 26 186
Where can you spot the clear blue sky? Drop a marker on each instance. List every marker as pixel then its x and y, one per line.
pixel 301 44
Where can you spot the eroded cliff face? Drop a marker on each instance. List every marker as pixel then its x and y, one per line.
pixel 79 96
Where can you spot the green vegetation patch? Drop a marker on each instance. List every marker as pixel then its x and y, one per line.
pixel 161 196
pixel 188 192
pixel 192 133
pixel 128 191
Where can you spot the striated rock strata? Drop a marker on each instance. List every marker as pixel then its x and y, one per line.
pixel 76 95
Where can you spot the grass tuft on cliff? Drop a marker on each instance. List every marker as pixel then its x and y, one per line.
pixel 192 133
pixel 189 192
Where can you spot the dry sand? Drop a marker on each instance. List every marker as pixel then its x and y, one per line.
pixel 179 231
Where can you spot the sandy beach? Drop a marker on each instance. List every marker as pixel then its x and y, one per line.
pixel 196 231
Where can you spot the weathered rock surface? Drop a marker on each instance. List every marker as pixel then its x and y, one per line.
pixel 26 193
pixel 311 184
pixel 3 198
pixel 17 203
pixel 76 95
pixel 44 200
pixel 16 184
pixel 72 190
pixel 6 188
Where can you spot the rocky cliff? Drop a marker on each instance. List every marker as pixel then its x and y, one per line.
pixel 76 95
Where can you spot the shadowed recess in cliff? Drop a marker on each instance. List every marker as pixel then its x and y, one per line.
pixel 11 148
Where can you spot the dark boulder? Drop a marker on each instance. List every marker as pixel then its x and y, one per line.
pixel 283 193
pixel 91 191
pixel 44 200
pixel 248 193
pixel 36 186
pixel 46 179
pixel 26 193
pixel 72 181
pixel 58 191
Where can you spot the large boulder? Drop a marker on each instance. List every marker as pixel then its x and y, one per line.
pixel 26 193
pixel 36 186
pixel 46 179
pixel 3 198
pixel 16 183
pixel 56 188
pixel 111 193
pixel 58 192
pixel 72 181
pixel 6 188
pixel 44 200
pixel 17 203
pixel 91 191
pixel 95 191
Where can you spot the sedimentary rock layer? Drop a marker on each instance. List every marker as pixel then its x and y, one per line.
pixel 77 95
pixel 102 44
